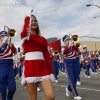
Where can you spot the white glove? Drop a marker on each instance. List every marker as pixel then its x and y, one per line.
pixel 70 43
pixel 89 56
pixel 5 40
pixel 8 41
pixel 29 12
pixel 86 61
pixel 53 54
pixel 98 58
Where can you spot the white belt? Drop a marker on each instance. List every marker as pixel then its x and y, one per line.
pixel 37 55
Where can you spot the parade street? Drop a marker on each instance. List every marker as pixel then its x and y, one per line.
pixel 88 90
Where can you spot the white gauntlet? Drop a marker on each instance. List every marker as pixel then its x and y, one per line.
pixel 29 13
pixel 5 40
pixel 70 43
pixel 99 58
pixel 86 61
pixel 89 56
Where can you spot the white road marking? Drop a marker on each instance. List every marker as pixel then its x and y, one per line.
pixel 79 88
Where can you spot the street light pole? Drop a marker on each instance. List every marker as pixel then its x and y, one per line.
pixel 96 16
pixel 92 5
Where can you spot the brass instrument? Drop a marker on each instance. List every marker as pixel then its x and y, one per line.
pixel 88 61
pixel 96 52
pixel 56 53
pixel 78 45
pixel 23 55
pixel 11 32
pixel 75 38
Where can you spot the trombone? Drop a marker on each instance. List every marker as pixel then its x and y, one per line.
pixel 11 32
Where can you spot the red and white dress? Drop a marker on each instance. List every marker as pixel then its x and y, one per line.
pixel 37 64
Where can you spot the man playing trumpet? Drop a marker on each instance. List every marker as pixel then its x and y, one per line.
pixel 71 67
pixel 6 67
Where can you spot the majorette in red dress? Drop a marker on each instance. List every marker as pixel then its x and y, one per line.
pixel 37 65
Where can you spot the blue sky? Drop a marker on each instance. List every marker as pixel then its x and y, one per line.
pixel 56 17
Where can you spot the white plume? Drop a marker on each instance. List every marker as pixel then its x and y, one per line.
pixel 85 46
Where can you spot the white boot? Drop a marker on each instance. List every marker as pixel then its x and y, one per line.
pixel 56 81
pixel 62 72
pixel 38 89
pixel 85 75
pixel 89 76
pixel 92 72
pixel 78 98
pixel 78 83
pixel 66 75
pixel 67 92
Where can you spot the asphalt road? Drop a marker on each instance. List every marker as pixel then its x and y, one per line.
pixel 88 90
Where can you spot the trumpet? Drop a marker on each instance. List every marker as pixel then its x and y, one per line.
pixel 22 54
pixel 56 53
pixel 88 60
pixel 11 32
pixel 96 52
pixel 74 38
pixel 78 45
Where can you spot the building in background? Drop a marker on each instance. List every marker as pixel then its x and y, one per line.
pixel 91 45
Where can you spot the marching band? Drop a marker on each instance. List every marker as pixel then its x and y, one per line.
pixel 69 62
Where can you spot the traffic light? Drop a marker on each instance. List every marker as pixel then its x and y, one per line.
pixel 18 49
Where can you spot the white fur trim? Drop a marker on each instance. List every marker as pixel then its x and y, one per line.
pixel 34 55
pixel 37 79
pixel 22 77
pixel 24 39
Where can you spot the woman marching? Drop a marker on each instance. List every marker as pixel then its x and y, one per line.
pixel 37 65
